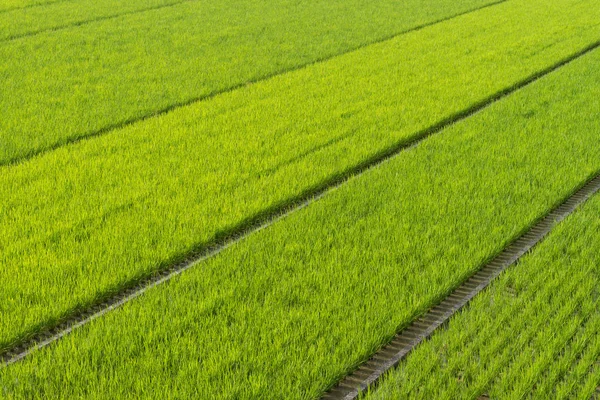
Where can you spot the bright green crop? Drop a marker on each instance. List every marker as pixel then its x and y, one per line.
pixel 8 5
pixel 86 219
pixel 533 334
pixel 86 80
pixel 21 22
pixel 358 15
pixel 290 309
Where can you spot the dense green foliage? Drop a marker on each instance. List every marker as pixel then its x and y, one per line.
pixel 533 334
pixel 288 310
pixel 75 82
pixel 83 220
pixel 396 16
pixel 7 5
pixel 58 15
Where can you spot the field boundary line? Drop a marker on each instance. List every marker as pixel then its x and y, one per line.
pixel 165 110
pixel 90 21
pixel 49 3
pixel 369 373
pixel 50 331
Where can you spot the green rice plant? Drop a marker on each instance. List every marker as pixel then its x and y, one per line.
pixel 21 22
pixel 342 16
pixel 8 5
pixel 584 373
pixel 290 309
pixel 86 80
pixel 548 343
pixel 84 221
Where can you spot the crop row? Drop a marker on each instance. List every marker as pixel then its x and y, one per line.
pixel 81 81
pixel 9 5
pixel 290 309
pixel 18 23
pixel 85 219
pixel 533 334
pixel 59 15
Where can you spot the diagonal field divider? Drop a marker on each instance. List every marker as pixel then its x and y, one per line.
pixel 90 21
pixel 111 127
pixel 209 170
pixel 50 332
pixel 367 375
pixel 47 3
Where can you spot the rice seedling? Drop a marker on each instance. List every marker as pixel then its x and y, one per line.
pixel 86 220
pixel 342 15
pixel 88 79
pixel 535 333
pixel 287 311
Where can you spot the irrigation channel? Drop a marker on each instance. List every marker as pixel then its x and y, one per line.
pixel 421 328
pixel 389 356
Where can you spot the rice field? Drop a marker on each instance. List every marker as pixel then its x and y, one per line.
pixel 534 334
pixel 327 172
